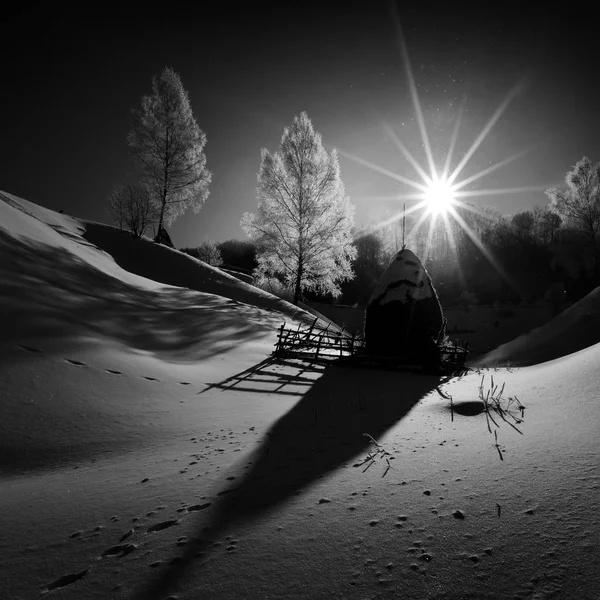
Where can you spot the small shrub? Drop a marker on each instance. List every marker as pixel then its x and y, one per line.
pixel 207 252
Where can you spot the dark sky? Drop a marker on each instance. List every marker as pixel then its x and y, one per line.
pixel 70 77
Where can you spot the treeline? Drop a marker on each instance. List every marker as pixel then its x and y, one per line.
pixel 529 256
pixel 302 236
pixel 485 257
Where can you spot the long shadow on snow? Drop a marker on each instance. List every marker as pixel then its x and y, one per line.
pixel 47 291
pixel 251 379
pixel 323 431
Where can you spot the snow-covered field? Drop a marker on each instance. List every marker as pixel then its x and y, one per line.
pixel 150 449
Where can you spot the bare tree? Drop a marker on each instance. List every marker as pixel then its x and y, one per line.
pixel 169 145
pixel 546 225
pixel 522 224
pixel 131 206
pixel 303 228
pixel 579 204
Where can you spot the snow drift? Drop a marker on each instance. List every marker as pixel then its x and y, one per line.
pixel 576 328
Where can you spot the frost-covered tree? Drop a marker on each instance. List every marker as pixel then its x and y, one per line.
pixel 131 206
pixel 169 145
pixel 303 225
pixel 579 204
pixel 209 252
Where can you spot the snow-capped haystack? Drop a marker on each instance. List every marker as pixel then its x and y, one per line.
pixel 572 330
pixel 404 313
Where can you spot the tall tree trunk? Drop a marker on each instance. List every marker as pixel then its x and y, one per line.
pixel 163 205
pixel 596 260
pixel 298 282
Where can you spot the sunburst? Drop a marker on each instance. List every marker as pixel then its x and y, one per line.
pixel 439 194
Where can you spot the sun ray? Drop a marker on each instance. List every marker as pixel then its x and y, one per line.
pixel 407 154
pixel 453 140
pixel 399 215
pixel 432 224
pixel 453 247
pixel 468 206
pixel 488 255
pixel 400 197
pixel 413 92
pixel 492 168
pixel 416 226
pixel 384 171
pixel 500 191
pixel 484 132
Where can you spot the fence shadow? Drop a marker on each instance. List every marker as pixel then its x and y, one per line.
pixel 263 377
pixel 322 432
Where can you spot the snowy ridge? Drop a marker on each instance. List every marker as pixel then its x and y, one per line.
pixel 576 328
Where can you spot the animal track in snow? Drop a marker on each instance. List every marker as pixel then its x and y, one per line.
pixel 126 535
pixel 31 349
pixel 75 362
pixel 65 580
pixel 162 525
pixel 198 507
pixel 122 549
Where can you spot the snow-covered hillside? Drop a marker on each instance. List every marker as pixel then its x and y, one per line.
pixel 576 328
pixel 149 448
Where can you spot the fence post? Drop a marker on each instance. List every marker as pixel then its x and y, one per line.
pixel 318 346
pixel 279 339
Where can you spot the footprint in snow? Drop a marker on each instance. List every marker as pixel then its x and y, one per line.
pixel 198 507
pixel 150 378
pixel 75 362
pixel 31 349
pixel 126 535
pixel 184 383
pixel 114 372
pixel 65 580
pixel 162 525
pixel 122 549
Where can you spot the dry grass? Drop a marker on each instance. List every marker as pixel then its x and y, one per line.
pixel 510 410
pixel 377 453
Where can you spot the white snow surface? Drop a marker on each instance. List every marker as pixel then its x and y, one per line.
pixel 576 328
pixel 149 449
pixel 399 270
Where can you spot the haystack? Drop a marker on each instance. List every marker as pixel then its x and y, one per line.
pixel 404 316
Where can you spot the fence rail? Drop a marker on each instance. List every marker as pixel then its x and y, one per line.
pixel 316 342
pixel 321 344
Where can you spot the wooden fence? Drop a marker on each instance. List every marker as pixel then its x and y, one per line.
pixel 316 343
pixel 324 344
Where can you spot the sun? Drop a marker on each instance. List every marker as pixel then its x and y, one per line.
pixel 439 197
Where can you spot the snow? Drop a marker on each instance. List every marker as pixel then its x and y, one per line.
pixel 130 406
pixel 576 328
pixel 405 266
